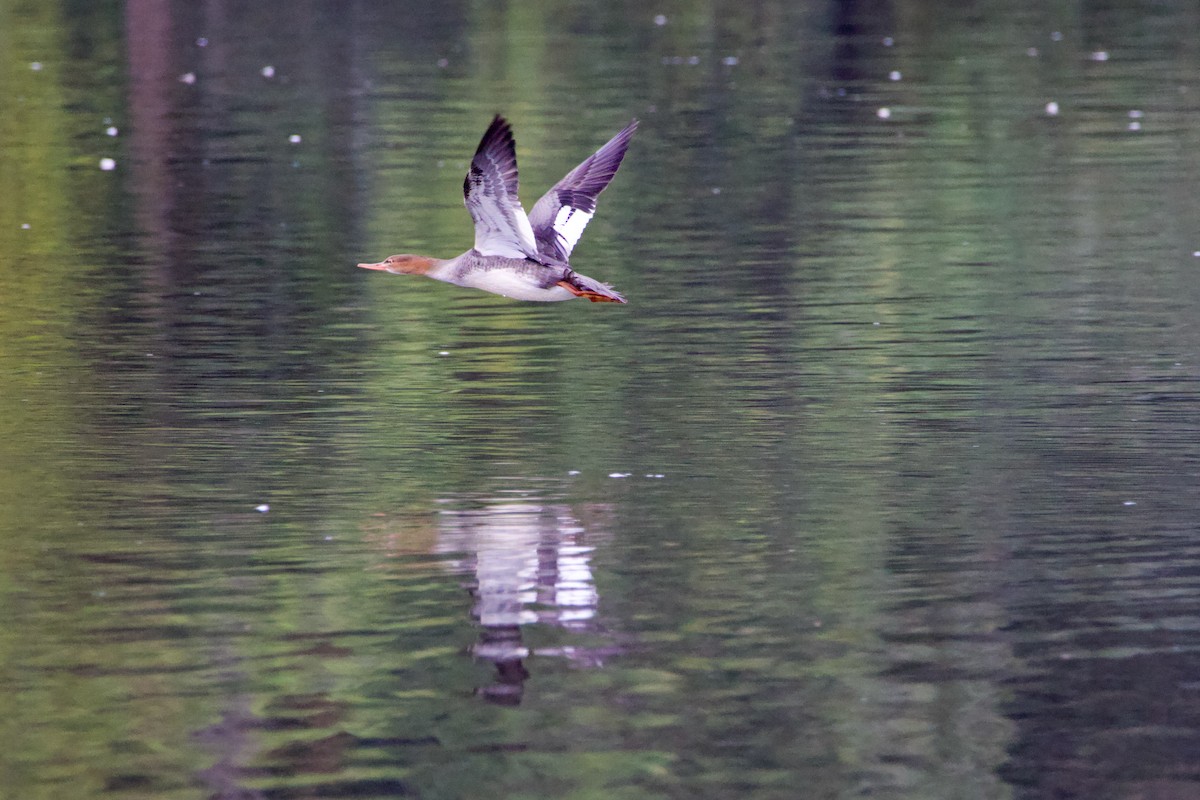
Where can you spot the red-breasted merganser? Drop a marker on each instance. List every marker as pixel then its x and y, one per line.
pixel 519 256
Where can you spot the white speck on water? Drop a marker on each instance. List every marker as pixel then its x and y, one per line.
pixel 894 75
pixel 188 77
pixel 693 60
pixel 884 113
pixel 1032 52
pixel 1056 36
pixel 443 352
pixel 1135 126
pixel 202 42
pixel 263 508
pixel 1196 254
pixel 111 130
pixel 108 164
pixel 888 41
pixel 295 138
pixel 25 226
pixel 1052 109
pixel 1099 55
pixel 36 66
pixel 1129 503
pixel 268 71
pixel 619 474
pixel 655 475
pixel 329 538
pixel 1136 114
pixel 716 190
pixel 572 472
pixel 660 19
pixel 443 63
pixel 730 61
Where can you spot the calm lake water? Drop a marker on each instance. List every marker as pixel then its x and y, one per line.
pixel 885 483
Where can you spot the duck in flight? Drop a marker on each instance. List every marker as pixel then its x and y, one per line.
pixel 519 256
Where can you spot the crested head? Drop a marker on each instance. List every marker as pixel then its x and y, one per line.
pixel 404 264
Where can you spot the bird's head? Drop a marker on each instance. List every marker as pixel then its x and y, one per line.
pixel 403 264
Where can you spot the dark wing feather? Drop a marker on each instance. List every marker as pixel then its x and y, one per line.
pixel 490 192
pixel 559 217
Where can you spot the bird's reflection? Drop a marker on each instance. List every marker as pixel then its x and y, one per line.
pixel 529 564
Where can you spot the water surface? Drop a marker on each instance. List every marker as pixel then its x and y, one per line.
pixel 884 482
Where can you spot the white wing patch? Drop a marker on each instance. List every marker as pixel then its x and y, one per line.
pixel 502 234
pixel 568 226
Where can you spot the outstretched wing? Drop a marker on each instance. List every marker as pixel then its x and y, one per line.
pixel 559 217
pixel 490 192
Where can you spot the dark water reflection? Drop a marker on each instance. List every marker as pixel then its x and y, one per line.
pixel 883 484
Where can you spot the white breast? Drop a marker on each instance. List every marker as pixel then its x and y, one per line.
pixel 514 285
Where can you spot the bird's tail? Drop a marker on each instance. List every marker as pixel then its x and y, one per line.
pixel 583 286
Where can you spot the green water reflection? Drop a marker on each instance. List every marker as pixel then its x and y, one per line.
pixel 883 483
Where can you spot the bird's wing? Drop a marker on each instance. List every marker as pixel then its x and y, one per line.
pixel 490 192
pixel 559 217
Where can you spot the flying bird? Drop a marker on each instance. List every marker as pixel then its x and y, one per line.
pixel 525 257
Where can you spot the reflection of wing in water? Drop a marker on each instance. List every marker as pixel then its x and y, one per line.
pixel 529 561
pixel 531 564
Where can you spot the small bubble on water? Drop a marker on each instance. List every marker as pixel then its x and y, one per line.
pixel 36 66
pixel 888 41
pixel 443 352
pixel 262 508
pixel 1099 55
pixel 572 472
pixel 443 63
pixel 108 164
pixel 268 71
pixel 1056 36
pixel 1129 503
pixel 202 42
pixel 618 474
pixel 1135 113
pixel 25 226
pixel 188 77
pixel 730 61
pixel 894 75
pixel 1032 52
pixel 1052 109
pixel 1196 254
pixel 660 19
pixel 295 138
pixel 884 113
pixel 1135 126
